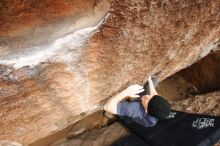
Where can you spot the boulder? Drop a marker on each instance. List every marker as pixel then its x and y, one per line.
pixel 61 60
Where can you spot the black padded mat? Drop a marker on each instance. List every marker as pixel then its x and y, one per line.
pixel 182 129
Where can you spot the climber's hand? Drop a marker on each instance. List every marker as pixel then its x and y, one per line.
pixel 133 90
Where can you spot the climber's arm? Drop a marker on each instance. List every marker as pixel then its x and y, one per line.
pixel 152 89
pixel 131 91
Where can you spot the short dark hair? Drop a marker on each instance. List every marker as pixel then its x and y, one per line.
pixel 159 107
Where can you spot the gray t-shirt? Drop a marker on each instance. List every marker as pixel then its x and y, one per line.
pixel 135 110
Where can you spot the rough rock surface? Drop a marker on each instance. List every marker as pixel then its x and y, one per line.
pixel 73 68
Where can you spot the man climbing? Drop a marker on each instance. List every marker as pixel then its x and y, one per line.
pixel 145 107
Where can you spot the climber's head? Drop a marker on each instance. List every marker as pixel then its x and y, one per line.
pixel 156 106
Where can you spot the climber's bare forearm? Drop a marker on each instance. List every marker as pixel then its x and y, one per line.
pixel 151 87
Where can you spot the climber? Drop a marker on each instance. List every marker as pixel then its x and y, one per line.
pixel 145 106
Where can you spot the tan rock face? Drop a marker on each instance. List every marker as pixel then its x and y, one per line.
pixel 61 59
